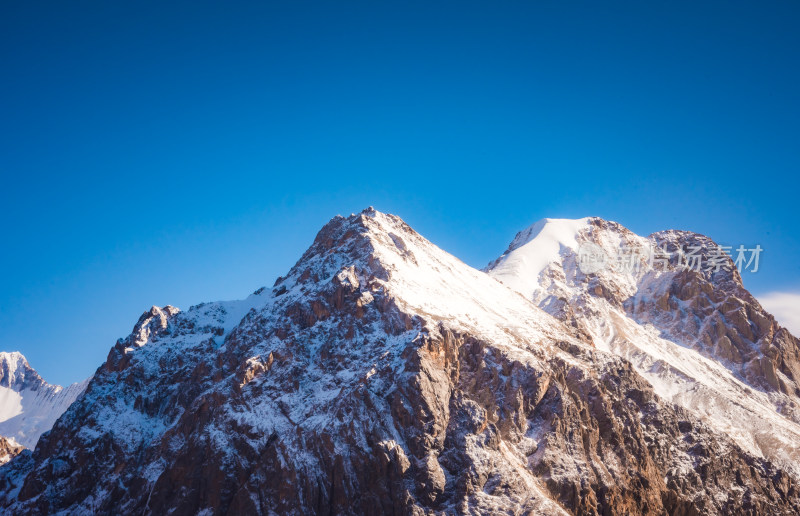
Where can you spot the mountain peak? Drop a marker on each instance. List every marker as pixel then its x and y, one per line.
pixel 30 404
pixel 561 230
pixel 535 247
pixel 11 355
pixel 353 240
pixel 16 371
pixel 382 257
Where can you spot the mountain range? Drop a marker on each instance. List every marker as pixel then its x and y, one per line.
pixel 382 375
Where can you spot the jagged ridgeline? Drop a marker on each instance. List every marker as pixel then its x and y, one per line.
pixel 382 375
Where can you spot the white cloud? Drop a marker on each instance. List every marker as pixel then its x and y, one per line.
pixel 785 306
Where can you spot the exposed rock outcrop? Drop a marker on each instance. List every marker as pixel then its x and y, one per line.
pixel 9 449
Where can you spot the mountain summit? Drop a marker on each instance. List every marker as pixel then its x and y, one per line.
pixel 382 375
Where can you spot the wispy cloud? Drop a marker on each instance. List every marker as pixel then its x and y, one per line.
pixel 785 306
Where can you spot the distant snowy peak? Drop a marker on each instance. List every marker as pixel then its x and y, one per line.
pixel 29 406
pixel 16 372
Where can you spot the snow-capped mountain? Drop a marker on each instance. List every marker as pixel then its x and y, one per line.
pixel 383 375
pixel 29 405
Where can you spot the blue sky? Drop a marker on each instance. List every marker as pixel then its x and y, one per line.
pixel 179 152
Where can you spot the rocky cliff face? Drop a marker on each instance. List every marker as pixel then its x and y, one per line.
pixel 712 312
pixel 384 376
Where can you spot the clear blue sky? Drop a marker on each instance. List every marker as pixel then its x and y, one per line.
pixel 179 152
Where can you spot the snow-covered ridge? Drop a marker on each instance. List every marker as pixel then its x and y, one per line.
pixel 533 249
pixel 29 406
